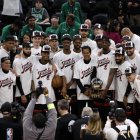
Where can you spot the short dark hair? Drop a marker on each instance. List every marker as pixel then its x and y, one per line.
pixel 120 115
pixel 63 104
pixel 86 47
pixel 39 120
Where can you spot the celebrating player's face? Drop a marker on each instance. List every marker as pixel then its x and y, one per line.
pixel 36 41
pixel 27 51
pixel 6 65
pixel 9 45
pixel 119 58
pixel 86 54
pixel 45 56
pixel 66 44
pixel 77 44
pixel 53 44
pixel 83 33
pixel 129 51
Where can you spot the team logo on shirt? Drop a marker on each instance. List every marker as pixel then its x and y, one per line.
pixel 134 92
pixel 6 82
pixel 103 62
pixel 46 72
pixel 68 63
pixel 87 72
pixel 26 67
pixel 119 74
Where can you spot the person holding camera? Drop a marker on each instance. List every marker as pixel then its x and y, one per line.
pixel 93 130
pixel 122 127
pixel 39 126
pixel 10 128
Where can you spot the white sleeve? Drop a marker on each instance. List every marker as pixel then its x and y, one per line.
pixel 76 71
pixel 59 72
pixel 17 67
pixel 133 128
pixel 113 63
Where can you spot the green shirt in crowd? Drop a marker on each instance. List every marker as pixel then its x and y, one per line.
pixel 75 9
pixel 65 29
pixel 51 30
pixel 27 30
pixel 7 30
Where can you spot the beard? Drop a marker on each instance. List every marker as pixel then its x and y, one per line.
pixel 26 54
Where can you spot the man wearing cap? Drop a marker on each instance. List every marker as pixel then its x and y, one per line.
pixel 23 68
pixel 84 32
pixel 103 68
pixel 134 80
pixel 43 71
pixel 9 128
pixel 7 46
pixel 65 60
pixel 30 26
pixel 36 40
pixel 77 42
pixel 134 37
pixel 99 29
pixel 122 124
pixel 121 81
pixel 11 29
pixel 7 81
pixel 70 26
pixel 53 43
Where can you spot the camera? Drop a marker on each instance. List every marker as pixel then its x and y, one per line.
pixel 17 110
pixel 113 107
pixel 40 89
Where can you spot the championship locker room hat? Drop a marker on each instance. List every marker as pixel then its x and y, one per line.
pixel 129 70
pixel 126 38
pixel 119 50
pixel 26 45
pixel 53 37
pixel 46 48
pixel 6 107
pixel 129 44
pixel 36 34
pixel 66 37
pixel 97 26
pixel 10 38
pixel 118 45
pixel 4 59
pixel 84 27
pixel 77 36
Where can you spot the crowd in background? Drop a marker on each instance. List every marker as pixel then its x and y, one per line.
pixel 92 46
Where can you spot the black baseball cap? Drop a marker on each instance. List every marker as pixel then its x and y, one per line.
pixel 130 70
pixel 129 44
pixel 119 50
pixel 46 48
pixel 10 38
pixel 84 27
pixel 4 59
pixel 126 38
pixel 36 34
pixel 26 45
pixel 53 37
pixel 66 37
pixel 77 36
pixel 98 26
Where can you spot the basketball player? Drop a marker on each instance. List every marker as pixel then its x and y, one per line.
pixel 53 43
pixel 83 70
pixel 43 71
pixel 7 46
pixel 23 68
pixel 36 39
pixel 7 81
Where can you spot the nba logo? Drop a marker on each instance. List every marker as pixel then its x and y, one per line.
pixel 9 134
